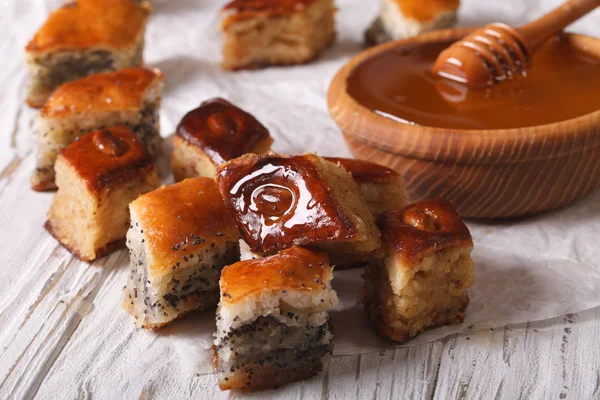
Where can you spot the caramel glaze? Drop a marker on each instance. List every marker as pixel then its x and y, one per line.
pixel 121 90
pixel 365 171
pixel 116 24
pixel 426 10
pixel 107 157
pixel 400 84
pixel 423 228
pixel 221 130
pixel 180 219
pixel 296 269
pixel 279 201
pixel 237 10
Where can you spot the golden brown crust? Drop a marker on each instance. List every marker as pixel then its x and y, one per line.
pixel 80 24
pixel 121 90
pixel 426 10
pixel 222 130
pixel 191 207
pixel 365 171
pixel 423 228
pixel 238 10
pixel 293 269
pixel 278 201
pixel 99 165
pixel 100 252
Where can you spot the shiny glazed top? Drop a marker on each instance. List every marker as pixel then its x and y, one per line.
pixel 280 201
pixel 122 90
pixel 221 130
pixel 113 24
pixel 107 157
pixel 181 219
pixel 399 84
pixel 293 269
pixel 238 10
pixel 426 10
pixel 423 228
pixel 365 171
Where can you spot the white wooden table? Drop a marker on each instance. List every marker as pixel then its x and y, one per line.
pixel 64 336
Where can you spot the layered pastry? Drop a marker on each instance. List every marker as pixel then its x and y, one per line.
pixel 84 37
pixel 213 133
pixel 423 279
pixel 260 33
pixel 180 238
pixel 279 201
pixel 129 97
pixel 273 320
pixel 97 176
pixel 401 19
pixel 382 188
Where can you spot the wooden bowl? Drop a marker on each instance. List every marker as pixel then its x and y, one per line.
pixel 486 173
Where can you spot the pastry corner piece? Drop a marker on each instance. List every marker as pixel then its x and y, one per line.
pixel 260 33
pixel 279 201
pixel 382 188
pixel 82 38
pixel 273 320
pixel 423 279
pixel 180 238
pixel 97 176
pixel 400 19
pixel 129 97
pixel 212 134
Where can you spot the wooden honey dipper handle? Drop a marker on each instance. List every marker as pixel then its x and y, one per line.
pixel 498 52
pixel 537 32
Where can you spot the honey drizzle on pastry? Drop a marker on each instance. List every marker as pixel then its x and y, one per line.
pixel 107 156
pixel 106 143
pixel 280 201
pixel 221 129
pixel 424 227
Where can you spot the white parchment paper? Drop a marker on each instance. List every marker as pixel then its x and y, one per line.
pixel 526 270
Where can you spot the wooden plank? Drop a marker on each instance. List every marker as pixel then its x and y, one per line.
pixel 559 358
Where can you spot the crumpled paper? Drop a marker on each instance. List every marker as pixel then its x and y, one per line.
pixel 525 270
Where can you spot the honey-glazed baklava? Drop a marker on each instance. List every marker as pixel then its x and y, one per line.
pixel 260 33
pixel 382 188
pixel 423 279
pixel 401 19
pixel 97 177
pixel 180 238
pixel 129 97
pixel 84 37
pixel 273 320
pixel 213 133
pixel 279 201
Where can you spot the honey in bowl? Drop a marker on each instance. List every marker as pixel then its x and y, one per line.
pixel 563 83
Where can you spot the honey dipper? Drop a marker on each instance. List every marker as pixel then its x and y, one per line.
pixel 498 52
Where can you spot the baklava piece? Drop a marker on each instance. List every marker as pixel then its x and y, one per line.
pixel 180 238
pixel 260 33
pixel 97 177
pixel 279 201
pixel 400 19
pixel 382 187
pixel 82 38
pixel 273 320
pixel 422 281
pixel 213 133
pixel 129 97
